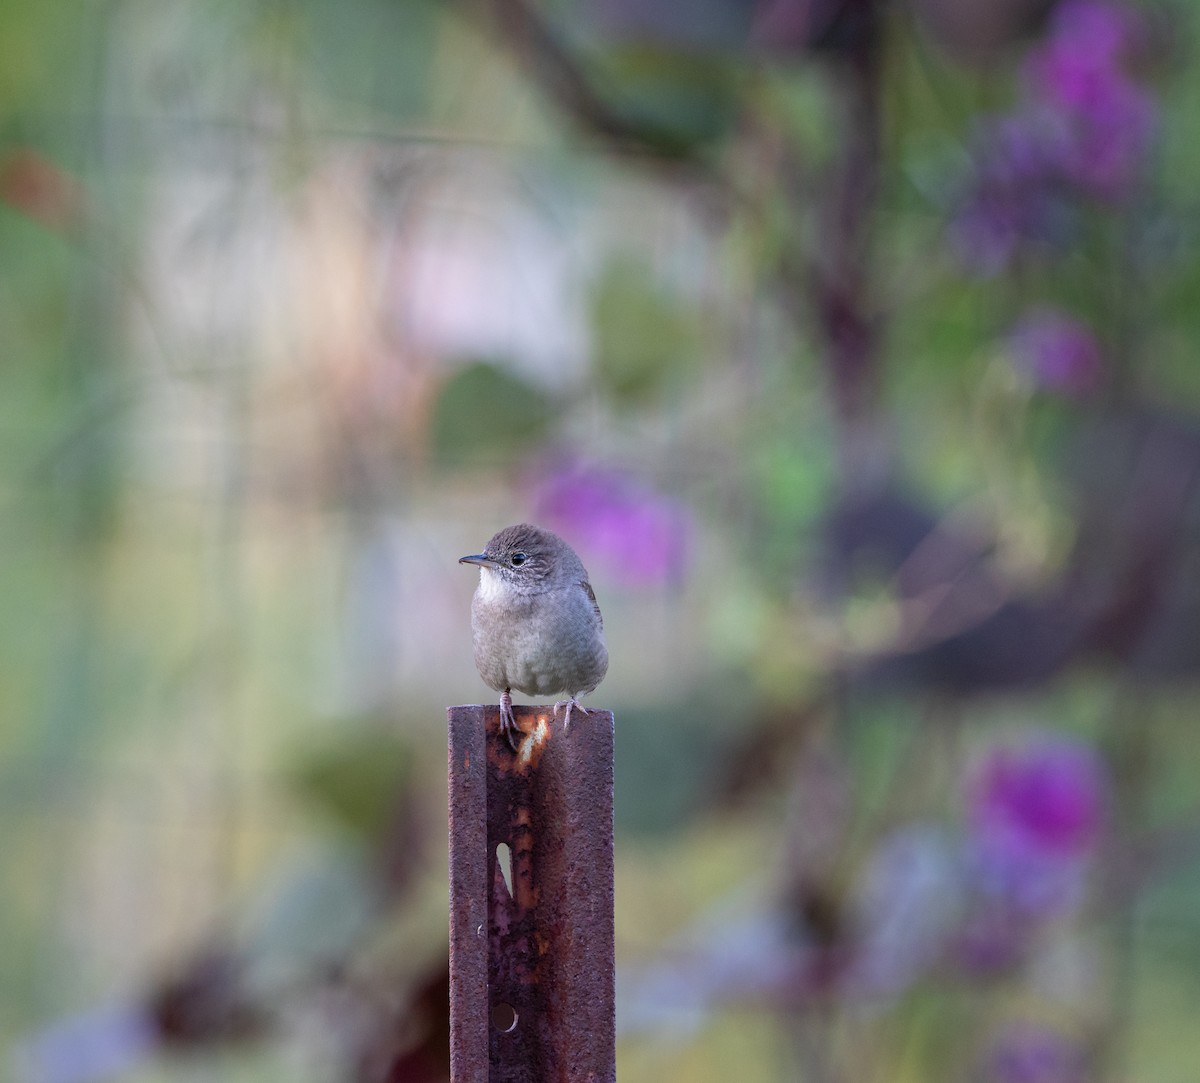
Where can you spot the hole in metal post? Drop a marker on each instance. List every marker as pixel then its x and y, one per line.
pixel 504 856
pixel 504 1017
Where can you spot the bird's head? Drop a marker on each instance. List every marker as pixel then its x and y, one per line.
pixel 527 558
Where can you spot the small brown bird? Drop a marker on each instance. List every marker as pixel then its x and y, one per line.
pixel 537 627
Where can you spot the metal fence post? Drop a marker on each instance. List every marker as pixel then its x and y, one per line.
pixel 531 965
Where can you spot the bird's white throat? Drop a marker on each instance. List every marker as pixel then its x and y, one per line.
pixel 491 586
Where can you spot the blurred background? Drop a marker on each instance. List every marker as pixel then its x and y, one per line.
pixel 852 343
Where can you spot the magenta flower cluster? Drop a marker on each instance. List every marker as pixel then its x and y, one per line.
pixel 1056 351
pixel 1081 132
pixel 636 536
pixel 1080 75
pixel 1035 817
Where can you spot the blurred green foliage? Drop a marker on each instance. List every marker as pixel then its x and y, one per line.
pixel 359 782
pixel 643 339
pixel 485 415
pixel 200 641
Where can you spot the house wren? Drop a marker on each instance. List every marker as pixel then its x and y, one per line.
pixel 537 627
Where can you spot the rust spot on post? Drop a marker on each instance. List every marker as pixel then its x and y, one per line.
pixel 531 970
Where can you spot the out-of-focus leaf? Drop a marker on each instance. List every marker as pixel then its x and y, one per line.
pixel 641 334
pixel 317 907
pixel 686 99
pixel 688 24
pixel 485 414
pixel 671 758
pixel 343 42
pixel 358 782
pixel 43 50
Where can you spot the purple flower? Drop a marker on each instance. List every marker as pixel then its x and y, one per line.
pixel 637 536
pixel 1032 1054
pixel 1083 131
pixel 1093 33
pixel 1035 813
pixel 1057 351
pixel 1015 197
pixel 1079 74
pixel 1113 133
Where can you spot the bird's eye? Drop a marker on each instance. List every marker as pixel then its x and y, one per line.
pixel 518 559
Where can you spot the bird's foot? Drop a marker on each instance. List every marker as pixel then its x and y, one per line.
pixel 571 704
pixel 508 721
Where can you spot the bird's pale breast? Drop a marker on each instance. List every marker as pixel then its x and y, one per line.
pixel 539 644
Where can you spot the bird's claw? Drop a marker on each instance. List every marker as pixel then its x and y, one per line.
pixel 508 721
pixel 570 704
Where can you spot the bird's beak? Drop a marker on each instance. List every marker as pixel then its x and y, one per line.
pixel 478 558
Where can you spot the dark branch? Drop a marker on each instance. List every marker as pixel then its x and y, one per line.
pixel 562 77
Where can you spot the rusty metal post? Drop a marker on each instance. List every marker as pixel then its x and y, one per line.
pixel 531 966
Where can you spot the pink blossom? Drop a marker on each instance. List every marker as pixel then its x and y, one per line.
pixel 636 536
pixel 1057 351
pixel 1035 813
pixel 1080 72
pixel 1014 198
pixel 1083 130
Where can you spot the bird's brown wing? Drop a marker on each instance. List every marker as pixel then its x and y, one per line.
pixel 587 589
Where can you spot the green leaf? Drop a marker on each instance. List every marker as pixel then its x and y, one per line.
pixel 686 100
pixel 641 334
pixel 357 782
pixel 486 414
